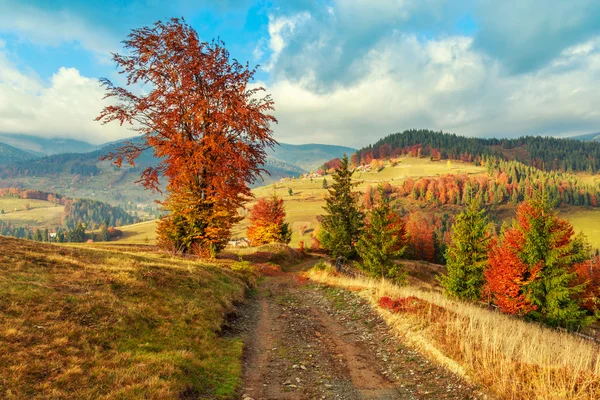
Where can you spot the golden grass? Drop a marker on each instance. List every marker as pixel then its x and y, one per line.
pixel 79 322
pixel 515 359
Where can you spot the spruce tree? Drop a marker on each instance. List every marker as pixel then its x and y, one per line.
pixel 466 256
pixel 550 243
pixel 343 223
pixel 383 240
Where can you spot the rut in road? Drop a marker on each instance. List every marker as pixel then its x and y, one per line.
pixel 313 342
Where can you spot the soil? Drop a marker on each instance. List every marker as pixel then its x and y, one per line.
pixel 308 341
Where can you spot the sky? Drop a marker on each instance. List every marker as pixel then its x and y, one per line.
pixel 344 72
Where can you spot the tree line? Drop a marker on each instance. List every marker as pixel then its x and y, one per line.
pixel 506 181
pixel 544 153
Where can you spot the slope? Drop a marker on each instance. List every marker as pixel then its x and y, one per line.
pixel 83 323
pixel 10 154
pixel 308 156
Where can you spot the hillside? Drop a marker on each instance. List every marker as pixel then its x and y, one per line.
pixel 10 154
pixel 83 175
pixel 83 323
pixel 41 146
pixel 545 153
pixel 24 211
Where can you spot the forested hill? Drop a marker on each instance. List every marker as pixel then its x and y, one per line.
pixel 10 154
pixel 545 153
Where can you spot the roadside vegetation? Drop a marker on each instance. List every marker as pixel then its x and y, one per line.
pixel 121 323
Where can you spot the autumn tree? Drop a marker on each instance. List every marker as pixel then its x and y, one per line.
pixel 530 267
pixel 205 124
pixel 267 223
pixel 420 238
pixel 383 239
pixel 342 224
pixel 466 256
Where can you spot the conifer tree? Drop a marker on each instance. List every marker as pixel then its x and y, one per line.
pixel 530 269
pixel 343 223
pixel 466 256
pixel 384 238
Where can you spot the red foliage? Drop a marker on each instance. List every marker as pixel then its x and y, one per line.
pixel 420 237
pixel 405 304
pixel 208 127
pixel 589 272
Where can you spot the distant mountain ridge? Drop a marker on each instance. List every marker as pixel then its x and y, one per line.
pixel 10 154
pixel 285 161
pixel 308 156
pixel 40 146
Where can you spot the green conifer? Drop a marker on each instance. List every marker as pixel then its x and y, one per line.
pixel 343 223
pixel 383 239
pixel 466 256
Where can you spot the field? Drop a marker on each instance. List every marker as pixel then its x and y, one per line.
pixel 141 233
pixel 122 323
pixel 41 214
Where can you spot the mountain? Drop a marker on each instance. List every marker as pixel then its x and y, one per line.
pixel 41 146
pixel 83 175
pixel 308 156
pixel 595 137
pixel 10 154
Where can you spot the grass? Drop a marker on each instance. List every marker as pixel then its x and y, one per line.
pixel 141 233
pixel 77 322
pixel 513 358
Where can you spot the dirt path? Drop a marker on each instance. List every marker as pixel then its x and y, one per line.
pixel 313 342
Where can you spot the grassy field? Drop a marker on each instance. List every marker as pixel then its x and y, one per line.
pixel 122 323
pixel 41 214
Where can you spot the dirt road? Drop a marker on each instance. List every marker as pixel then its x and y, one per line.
pixel 306 341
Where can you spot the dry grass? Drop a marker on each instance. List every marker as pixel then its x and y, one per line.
pixel 87 323
pixel 515 359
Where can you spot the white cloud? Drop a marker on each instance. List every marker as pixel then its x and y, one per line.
pixel 279 29
pixel 51 28
pixel 66 107
pixel 440 84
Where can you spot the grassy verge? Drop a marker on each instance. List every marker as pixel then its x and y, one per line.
pixel 80 322
pixel 513 358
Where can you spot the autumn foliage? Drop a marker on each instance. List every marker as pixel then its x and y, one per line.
pixel 420 237
pixel 267 223
pixel 530 267
pixel 203 121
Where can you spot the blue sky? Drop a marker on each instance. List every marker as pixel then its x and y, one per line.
pixel 340 71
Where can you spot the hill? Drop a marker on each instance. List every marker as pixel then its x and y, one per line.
pixel 308 156
pixel 84 323
pixel 41 146
pixel 83 175
pixel 546 153
pixel 587 137
pixel 10 154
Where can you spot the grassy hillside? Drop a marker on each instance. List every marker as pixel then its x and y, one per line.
pixel 92 324
pixel 41 214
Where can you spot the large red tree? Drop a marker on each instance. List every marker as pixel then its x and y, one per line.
pixel 203 120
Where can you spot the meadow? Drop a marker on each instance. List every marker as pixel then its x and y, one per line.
pixel 115 322
pixel 41 214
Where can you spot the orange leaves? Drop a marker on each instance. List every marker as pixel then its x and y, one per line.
pixel 207 128
pixel 507 275
pixel 267 222
pixel 420 237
